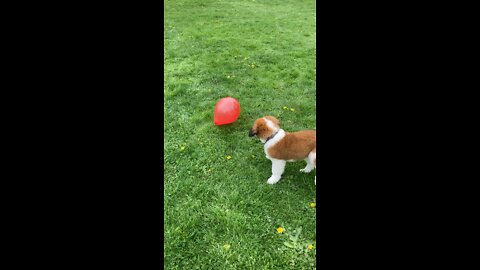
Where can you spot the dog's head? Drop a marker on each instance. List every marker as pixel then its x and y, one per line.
pixel 264 127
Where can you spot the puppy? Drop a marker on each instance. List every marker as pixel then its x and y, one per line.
pixel 281 146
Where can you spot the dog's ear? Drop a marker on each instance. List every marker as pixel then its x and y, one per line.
pixel 253 130
pixel 273 119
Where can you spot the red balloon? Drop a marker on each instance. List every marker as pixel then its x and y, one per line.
pixel 226 111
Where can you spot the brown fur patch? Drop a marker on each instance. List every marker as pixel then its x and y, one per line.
pixel 295 145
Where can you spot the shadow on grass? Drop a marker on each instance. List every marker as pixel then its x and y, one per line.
pixel 235 128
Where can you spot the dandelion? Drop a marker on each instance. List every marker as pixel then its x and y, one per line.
pixel 312 204
pixel 182 148
pixel 280 230
pixel 285 107
pixel 310 247
pixel 226 246
pixel 229 157
pixel 292 109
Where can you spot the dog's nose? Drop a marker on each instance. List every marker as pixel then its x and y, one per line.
pixel 250 133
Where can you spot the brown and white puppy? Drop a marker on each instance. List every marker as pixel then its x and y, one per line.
pixel 281 146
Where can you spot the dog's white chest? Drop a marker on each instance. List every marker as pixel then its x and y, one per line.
pixel 271 143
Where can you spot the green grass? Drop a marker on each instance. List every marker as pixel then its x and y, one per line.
pixel 220 213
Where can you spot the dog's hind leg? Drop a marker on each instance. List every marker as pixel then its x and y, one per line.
pixel 311 159
pixel 311 163
pixel 315 164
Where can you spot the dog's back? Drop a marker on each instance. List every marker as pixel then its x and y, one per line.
pixel 295 145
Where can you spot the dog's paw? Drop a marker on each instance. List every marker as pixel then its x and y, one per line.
pixel 305 170
pixel 272 180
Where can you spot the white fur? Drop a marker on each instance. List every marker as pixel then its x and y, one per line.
pixel 310 165
pixel 278 166
pixel 271 125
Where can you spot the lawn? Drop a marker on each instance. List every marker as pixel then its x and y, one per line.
pixel 219 212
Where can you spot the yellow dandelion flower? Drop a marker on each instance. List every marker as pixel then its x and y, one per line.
pixel 182 148
pixel 292 109
pixel 280 230
pixel 310 247
pixel 229 157
pixel 312 204
pixel 285 107
pixel 226 246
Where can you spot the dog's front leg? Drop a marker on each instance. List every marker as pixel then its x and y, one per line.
pixel 278 166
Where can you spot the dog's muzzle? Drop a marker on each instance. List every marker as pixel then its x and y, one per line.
pixel 251 133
